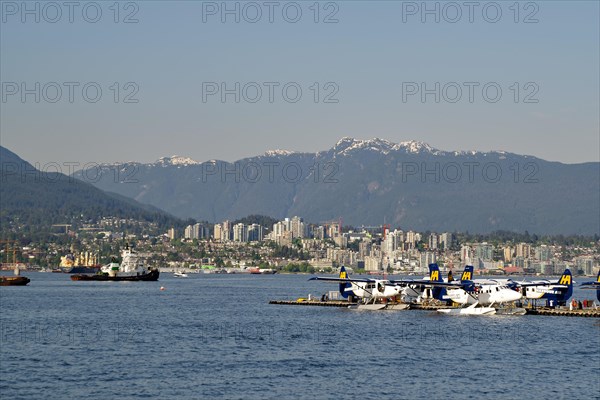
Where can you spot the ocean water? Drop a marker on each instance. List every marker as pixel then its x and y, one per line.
pixel 216 336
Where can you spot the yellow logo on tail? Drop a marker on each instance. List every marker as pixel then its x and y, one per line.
pixel 343 275
pixel 565 280
pixel 435 275
pixel 466 276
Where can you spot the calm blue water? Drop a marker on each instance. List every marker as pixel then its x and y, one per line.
pixel 216 336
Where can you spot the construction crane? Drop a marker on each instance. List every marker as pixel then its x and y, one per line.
pixel 10 246
pixel 386 229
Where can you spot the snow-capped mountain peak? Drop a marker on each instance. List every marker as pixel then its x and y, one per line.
pixel 346 145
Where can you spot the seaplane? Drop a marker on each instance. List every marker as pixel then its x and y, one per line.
pixel 485 292
pixel 478 296
pixel 593 285
pixel 555 293
pixel 373 294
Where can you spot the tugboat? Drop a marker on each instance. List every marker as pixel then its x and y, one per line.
pixel 132 268
pixel 14 280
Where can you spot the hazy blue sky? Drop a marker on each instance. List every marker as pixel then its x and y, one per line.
pixel 370 56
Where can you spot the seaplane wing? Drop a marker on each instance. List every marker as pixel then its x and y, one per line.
pixel 341 280
pixel 592 284
pixel 530 284
pixel 565 281
pixel 435 278
pixel 364 288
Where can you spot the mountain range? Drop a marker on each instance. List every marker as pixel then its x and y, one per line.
pixel 34 199
pixel 370 182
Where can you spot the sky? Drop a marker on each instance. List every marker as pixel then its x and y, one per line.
pixel 136 81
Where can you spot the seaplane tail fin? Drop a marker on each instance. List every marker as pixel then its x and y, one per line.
pixel 437 292
pixel 344 285
pixel 467 274
pixel 567 279
pixel 598 286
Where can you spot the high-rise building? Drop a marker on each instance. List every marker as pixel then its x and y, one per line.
pixel 364 249
pixel 446 240
pixel 410 239
pixel 319 232
pixel 508 253
pixel 543 253
pixel 240 233
pixel 466 254
pixel 586 264
pixel 523 250
pixel 196 231
pixel 373 264
pixel 226 231
pixel 484 251
pixel 333 230
pixel 519 262
pixel 297 227
pixel 391 242
pixel 172 233
pixel 202 230
pixel 426 258
pixel 433 241
pixel 255 233
pixel 217 231
pixel 279 228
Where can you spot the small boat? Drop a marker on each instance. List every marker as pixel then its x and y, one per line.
pixel 14 280
pixel 131 268
pixel 180 275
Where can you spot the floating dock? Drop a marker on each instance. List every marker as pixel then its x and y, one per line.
pixel 345 304
pixel 591 313
pixel 330 303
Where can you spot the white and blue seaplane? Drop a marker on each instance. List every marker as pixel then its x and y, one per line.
pixel 372 294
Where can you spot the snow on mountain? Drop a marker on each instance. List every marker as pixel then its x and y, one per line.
pixel 274 153
pixel 176 160
pixel 347 145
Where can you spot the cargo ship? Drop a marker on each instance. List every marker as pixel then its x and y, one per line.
pixel 131 268
pixel 83 263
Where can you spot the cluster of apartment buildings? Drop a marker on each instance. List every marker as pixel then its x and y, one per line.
pixel 377 249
